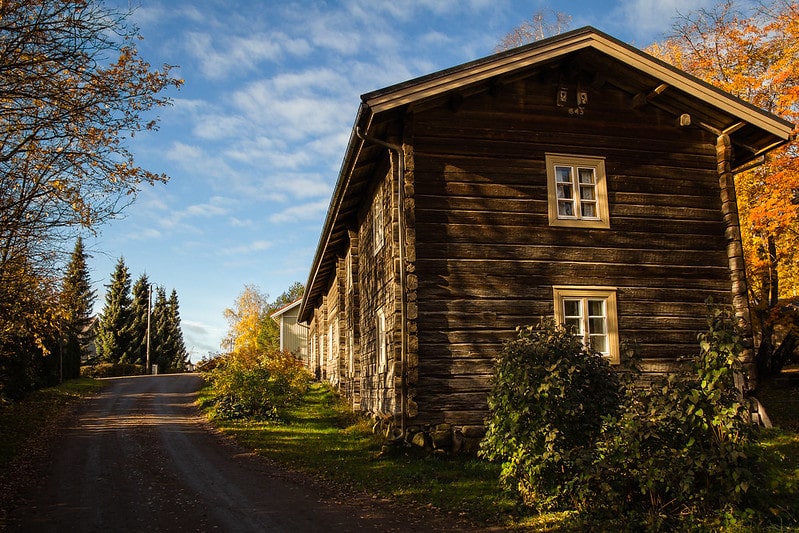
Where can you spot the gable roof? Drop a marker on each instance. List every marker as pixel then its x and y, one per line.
pixel 647 79
pixel 285 309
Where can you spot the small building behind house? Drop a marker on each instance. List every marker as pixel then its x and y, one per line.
pixel 293 334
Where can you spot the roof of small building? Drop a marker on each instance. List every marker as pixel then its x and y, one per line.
pixel 283 310
pixel 647 79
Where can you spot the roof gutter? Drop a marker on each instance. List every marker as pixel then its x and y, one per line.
pixel 400 155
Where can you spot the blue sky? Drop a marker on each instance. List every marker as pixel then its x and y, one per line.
pixel 255 138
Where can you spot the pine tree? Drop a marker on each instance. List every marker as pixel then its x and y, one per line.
pixel 77 299
pixel 177 346
pixel 138 320
pixel 113 328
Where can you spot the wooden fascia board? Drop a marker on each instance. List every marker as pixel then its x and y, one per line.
pixel 504 64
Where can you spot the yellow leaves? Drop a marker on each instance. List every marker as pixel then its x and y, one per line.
pixel 245 319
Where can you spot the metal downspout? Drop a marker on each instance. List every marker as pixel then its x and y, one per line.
pixel 401 223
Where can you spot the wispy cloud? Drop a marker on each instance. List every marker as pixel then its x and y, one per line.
pixel 251 247
pixel 308 211
pixel 647 17
pixel 232 55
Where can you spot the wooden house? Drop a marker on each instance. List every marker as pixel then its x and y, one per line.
pixel 293 334
pixel 577 178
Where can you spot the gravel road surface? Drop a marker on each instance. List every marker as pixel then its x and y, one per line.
pixel 139 457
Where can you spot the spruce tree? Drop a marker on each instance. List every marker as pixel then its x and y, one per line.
pixel 159 331
pixel 138 320
pixel 77 300
pixel 113 327
pixel 177 346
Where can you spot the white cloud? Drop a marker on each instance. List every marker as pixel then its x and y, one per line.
pixel 650 17
pixel 233 54
pixel 240 223
pixel 308 211
pixel 252 247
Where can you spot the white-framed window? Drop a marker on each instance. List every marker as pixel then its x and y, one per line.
pixel 382 341
pixel 378 230
pixel 591 313
pixel 577 191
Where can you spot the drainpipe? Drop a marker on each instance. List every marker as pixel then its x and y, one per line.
pixel 400 154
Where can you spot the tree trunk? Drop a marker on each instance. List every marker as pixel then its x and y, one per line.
pixel 771 287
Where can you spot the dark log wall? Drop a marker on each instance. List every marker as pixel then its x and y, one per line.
pixel 486 258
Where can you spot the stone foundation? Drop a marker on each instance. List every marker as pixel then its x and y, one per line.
pixel 446 438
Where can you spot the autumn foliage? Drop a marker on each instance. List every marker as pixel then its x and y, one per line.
pixel 756 57
pixel 255 379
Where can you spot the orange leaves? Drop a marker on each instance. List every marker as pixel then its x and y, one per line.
pixel 757 59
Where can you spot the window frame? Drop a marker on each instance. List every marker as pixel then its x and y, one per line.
pixel 575 162
pixel 561 294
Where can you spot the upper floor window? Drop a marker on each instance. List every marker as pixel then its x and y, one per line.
pixel 577 191
pixel 590 312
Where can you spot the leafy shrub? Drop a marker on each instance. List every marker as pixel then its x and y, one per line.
pixel 111 370
pixel 546 406
pixel 681 447
pixel 257 384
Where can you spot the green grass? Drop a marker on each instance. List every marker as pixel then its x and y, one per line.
pixel 324 438
pixel 780 447
pixel 26 419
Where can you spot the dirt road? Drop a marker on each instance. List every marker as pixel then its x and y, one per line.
pixel 138 457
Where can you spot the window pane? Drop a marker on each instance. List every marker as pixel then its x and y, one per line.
pixel 571 308
pixel 565 191
pixel 599 343
pixel 563 174
pixel 588 210
pixel 586 175
pixel 565 209
pixel 597 325
pixel 596 307
pixel 574 325
pixel 587 192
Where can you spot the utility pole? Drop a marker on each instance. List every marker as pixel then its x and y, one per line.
pixel 149 312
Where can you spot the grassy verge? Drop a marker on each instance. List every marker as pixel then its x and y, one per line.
pixel 38 412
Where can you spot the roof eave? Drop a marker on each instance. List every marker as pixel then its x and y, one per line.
pixel 354 145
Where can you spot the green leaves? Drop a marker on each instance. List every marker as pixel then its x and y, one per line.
pixel 547 404
pixel 567 436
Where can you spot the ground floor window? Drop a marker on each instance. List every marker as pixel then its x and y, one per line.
pixel 591 313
